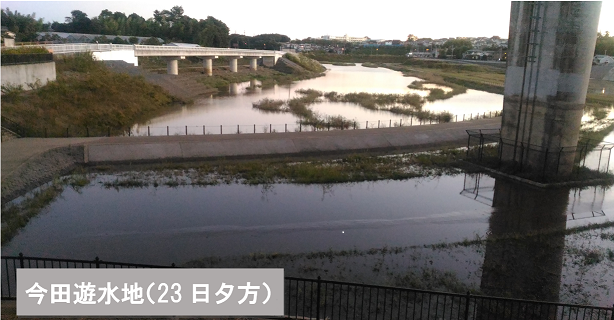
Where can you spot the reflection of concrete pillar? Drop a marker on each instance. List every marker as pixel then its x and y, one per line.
pixel 253 63
pixel 548 67
pixel 172 65
pixel 233 88
pixel 208 65
pixel 136 61
pixel 518 265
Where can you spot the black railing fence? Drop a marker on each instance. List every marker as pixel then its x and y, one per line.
pixel 487 147
pixel 325 299
pixel 299 126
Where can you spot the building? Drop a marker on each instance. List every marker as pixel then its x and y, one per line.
pixel 345 38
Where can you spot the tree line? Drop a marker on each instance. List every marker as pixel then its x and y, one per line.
pixel 170 25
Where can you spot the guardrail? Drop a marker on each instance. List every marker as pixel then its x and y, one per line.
pixel 326 299
pixel 97 47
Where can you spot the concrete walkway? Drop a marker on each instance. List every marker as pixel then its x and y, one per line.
pixel 144 149
pixel 17 152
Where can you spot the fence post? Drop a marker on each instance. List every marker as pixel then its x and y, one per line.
pixel 167 132
pixel 558 161
pixel 109 131
pixel 203 130
pixel 354 125
pixel 411 121
pixel 148 133
pixel 378 123
pixel 401 123
pixel 467 305
pixel 97 261
pixel 328 125
pixel 367 125
pixel 390 124
pixel 463 117
pixel 186 130
pixel 300 126
pixel 66 132
pixel 545 164
pixel 45 132
pixel 286 127
pixel 87 131
pixel 317 299
pixel 237 129
pixel 129 132
pixel 20 260
pixel 270 128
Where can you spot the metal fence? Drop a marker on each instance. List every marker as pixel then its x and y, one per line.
pixel 299 126
pixel 487 147
pixel 325 299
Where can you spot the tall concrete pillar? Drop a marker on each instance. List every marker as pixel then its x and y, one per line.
pixel 172 65
pixel 551 46
pixel 253 63
pixel 233 63
pixel 208 65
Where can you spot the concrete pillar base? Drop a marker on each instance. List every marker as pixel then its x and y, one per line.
pixel 233 63
pixel 208 65
pixel 172 65
pixel 253 64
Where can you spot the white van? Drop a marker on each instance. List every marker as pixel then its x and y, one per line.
pixel 601 60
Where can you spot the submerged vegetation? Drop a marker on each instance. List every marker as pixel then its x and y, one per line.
pixel 17 215
pixel 353 168
pixel 403 104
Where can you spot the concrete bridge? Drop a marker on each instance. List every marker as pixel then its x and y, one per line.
pixel 172 54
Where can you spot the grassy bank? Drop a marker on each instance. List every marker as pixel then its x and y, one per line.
pixel 86 94
pixel 352 168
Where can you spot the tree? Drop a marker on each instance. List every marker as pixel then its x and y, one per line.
pixel 456 47
pixel 604 44
pixel 25 27
pixel 79 22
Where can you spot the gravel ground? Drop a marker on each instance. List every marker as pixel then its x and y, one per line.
pixel 40 169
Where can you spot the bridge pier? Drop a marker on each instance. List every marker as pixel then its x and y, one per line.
pixel 548 68
pixel 208 64
pixel 253 63
pixel 172 65
pixel 233 63
pixel 269 61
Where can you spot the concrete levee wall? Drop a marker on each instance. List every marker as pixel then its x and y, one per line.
pixel 24 74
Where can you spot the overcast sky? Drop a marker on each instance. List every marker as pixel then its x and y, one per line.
pixel 383 19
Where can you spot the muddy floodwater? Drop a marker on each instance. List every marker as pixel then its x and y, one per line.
pixel 235 108
pixel 164 225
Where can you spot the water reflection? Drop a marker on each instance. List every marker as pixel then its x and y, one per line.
pixel 531 267
pixel 234 105
pixel 519 266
